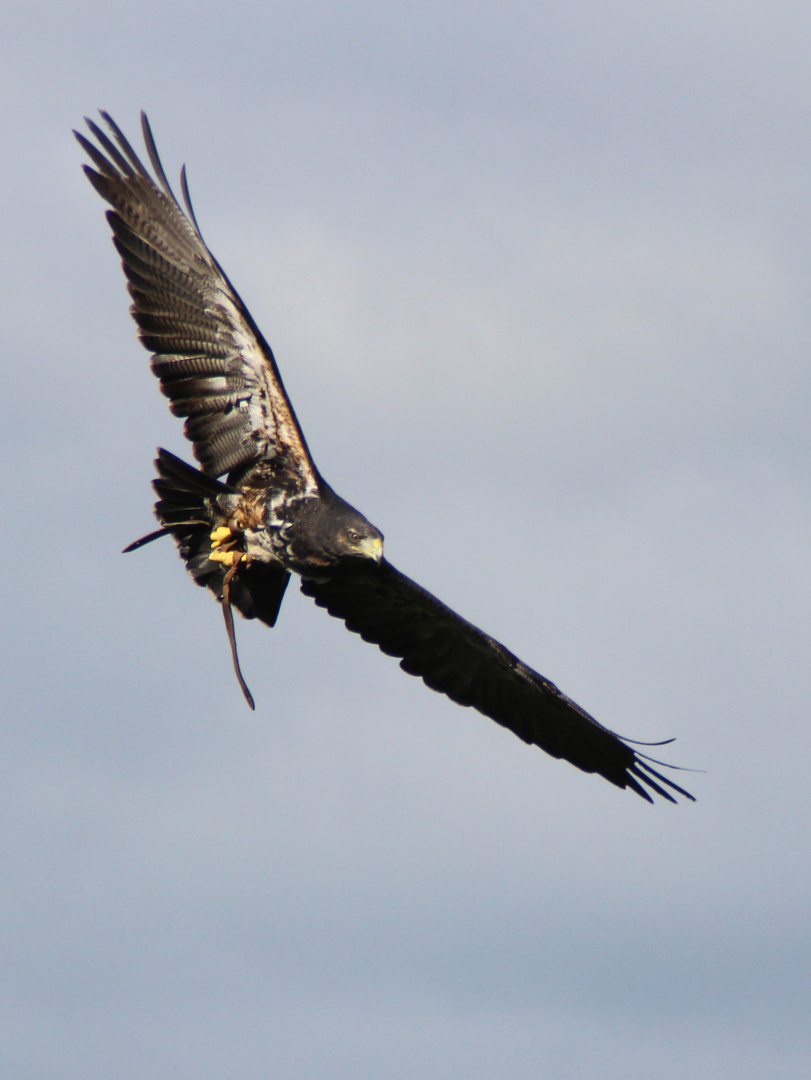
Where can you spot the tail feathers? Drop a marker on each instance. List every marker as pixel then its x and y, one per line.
pixel 190 506
pixel 183 477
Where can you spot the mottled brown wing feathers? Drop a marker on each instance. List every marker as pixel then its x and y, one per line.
pixel 210 357
pixel 454 658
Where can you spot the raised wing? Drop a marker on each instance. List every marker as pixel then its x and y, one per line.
pixel 455 658
pixel 212 361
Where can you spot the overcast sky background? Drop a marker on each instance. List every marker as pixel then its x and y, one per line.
pixel 537 276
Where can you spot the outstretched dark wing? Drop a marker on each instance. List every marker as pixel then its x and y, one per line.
pixel 455 658
pixel 211 359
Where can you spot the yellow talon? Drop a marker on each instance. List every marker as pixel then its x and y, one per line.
pixel 227 558
pixel 220 535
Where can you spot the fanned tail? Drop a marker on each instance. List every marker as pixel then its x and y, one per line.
pixel 190 507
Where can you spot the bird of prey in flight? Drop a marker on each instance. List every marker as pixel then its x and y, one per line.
pixel 258 510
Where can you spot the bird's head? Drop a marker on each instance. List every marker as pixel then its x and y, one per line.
pixel 361 539
pixel 328 531
pixel 348 534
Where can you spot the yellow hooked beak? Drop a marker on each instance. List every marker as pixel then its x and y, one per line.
pixel 371 547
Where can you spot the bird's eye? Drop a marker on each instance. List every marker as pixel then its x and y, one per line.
pixel 354 537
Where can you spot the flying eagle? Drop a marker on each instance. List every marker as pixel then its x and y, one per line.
pixel 274 514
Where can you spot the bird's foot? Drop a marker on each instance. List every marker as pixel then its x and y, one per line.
pixel 227 558
pixel 223 542
pixel 220 535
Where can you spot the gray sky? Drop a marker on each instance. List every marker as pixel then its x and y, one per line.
pixel 537 278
